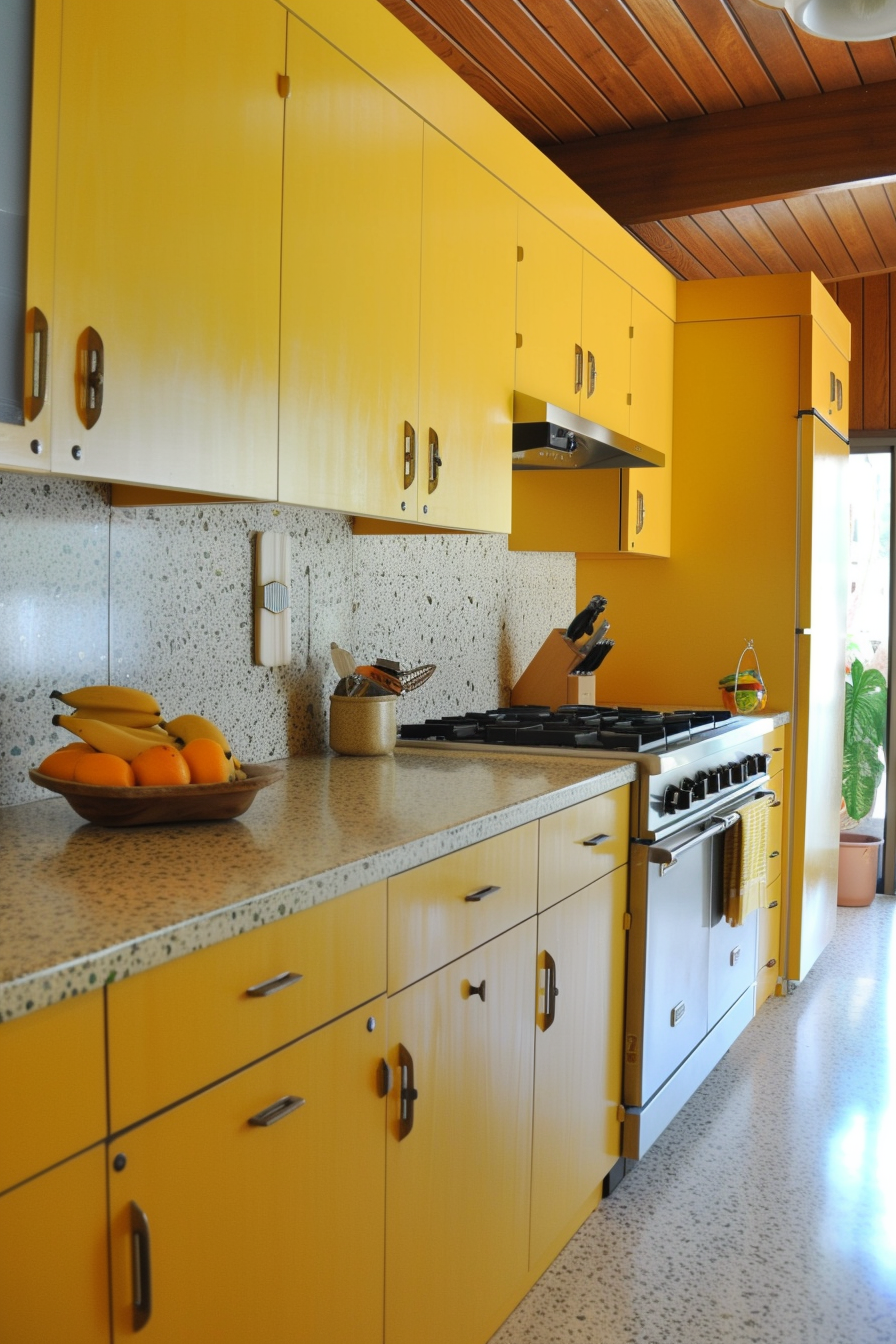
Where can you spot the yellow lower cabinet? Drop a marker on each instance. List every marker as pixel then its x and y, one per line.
pixel 54 1275
pixel 578 1058
pixel 768 955
pixel 459 1145
pixel 255 1210
pixel 582 843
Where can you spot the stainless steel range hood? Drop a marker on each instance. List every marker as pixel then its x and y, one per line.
pixel 546 438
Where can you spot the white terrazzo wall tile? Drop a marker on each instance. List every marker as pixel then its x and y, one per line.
pixel 182 619
pixel 54 574
pixel 462 602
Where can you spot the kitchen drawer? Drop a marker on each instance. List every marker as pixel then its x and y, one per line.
pixel 774 743
pixel 768 954
pixel 775 829
pixel 445 908
pixel 178 1027
pixel 581 844
pixel 53 1072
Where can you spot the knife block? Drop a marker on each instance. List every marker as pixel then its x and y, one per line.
pixel 548 680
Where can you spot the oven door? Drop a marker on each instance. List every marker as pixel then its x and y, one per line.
pixel 687 967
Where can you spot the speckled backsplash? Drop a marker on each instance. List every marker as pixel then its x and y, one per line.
pixel 161 597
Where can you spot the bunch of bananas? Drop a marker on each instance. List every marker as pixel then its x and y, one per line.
pixel 122 721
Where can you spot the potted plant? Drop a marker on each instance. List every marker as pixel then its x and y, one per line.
pixel 864 735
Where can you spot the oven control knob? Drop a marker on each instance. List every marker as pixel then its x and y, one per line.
pixel 739 773
pixel 700 786
pixel 669 798
pixel 752 766
pixel 683 799
pixel 764 760
pixel 712 782
pixel 725 776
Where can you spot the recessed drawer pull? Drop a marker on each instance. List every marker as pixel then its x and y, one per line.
pixel 481 894
pixel 278 1110
pixel 277 982
pixel 775 854
pixel 772 905
pixel 771 963
pixel 597 839
pixel 551 990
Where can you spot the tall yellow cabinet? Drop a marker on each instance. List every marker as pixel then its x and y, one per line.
pixel 758 551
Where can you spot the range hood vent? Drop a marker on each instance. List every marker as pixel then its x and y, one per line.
pixel 546 438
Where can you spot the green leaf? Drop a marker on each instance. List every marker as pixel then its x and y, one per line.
pixel 864 735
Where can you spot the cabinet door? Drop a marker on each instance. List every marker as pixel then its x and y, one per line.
pixel 458 1177
pixel 549 312
pixel 606 324
pixel 351 286
pixel 647 491
pixel 467 305
pixel 168 246
pixel 27 445
pixel 256 1221
pixel 830 380
pixel 54 1277
pixel 578 1057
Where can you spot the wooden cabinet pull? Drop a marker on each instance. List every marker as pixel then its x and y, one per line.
pixel 410 454
pixel 476 989
pixel 94 370
pixel 435 461
pixel 551 990
pixel 408 1093
pixel 39 331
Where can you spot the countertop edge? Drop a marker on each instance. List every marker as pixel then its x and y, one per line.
pixel 95 969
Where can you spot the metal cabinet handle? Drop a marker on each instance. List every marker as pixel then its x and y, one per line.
pixel 476 989
pixel 38 329
pixel 435 461
pixel 408 1094
pixel 410 454
pixel 385 1078
pixel 94 366
pixel 775 854
pixel 141 1267
pixel 592 374
pixel 772 905
pixel 597 839
pixel 278 1110
pixel 839 395
pixel 481 894
pixel 579 369
pixel 640 512
pixel 551 990
pixel 771 963
pixel 277 982
pixel 775 804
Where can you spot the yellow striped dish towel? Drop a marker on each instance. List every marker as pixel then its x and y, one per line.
pixel 744 862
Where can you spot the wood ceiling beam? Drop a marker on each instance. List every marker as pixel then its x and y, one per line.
pixel 734 158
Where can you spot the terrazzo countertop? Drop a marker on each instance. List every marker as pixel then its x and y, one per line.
pixel 82 905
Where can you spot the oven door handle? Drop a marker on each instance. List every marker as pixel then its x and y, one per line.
pixel 668 857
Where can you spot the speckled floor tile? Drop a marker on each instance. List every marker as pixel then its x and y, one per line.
pixel 766 1211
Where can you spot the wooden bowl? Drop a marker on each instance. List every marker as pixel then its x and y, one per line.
pixel 151 805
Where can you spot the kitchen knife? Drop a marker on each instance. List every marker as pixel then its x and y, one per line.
pixel 592 660
pixel 595 638
pixel 583 623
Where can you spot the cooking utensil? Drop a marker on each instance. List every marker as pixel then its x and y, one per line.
pixel 382 676
pixel 595 638
pixel 343 661
pixel 412 677
pixel 583 623
pixel 595 656
pixel 357 686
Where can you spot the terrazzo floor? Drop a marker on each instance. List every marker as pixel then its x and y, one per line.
pixel 766 1211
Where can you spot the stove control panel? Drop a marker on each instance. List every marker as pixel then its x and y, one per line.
pixel 707 784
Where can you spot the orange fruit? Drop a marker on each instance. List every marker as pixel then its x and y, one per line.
pixel 208 761
pixel 101 767
pixel 161 765
pixel 61 764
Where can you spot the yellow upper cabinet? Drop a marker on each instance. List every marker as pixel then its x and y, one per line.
pixel 607 347
pixel 647 491
pixel 27 446
pixel 830 377
pixel 466 342
pixel 168 244
pixel 549 359
pixel 351 287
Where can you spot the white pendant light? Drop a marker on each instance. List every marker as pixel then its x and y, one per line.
pixel 842 20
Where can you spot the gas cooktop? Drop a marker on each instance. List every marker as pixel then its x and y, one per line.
pixel 607 728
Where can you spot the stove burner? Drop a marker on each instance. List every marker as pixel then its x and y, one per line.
pixel 612 728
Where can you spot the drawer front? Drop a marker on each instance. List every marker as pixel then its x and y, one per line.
pixel 775 829
pixel 581 844
pixel 176 1028
pixel 774 743
pixel 445 908
pixel 53 1072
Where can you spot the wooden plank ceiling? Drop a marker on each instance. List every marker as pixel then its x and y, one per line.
pixel 728 141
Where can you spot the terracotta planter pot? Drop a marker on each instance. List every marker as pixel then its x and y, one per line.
pixel 857 880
